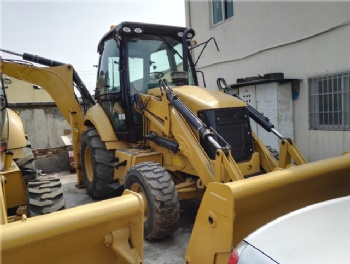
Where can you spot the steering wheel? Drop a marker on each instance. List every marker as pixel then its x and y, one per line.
pixel 157 75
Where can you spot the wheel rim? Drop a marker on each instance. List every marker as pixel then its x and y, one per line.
pixel 135 187
pixel 88 164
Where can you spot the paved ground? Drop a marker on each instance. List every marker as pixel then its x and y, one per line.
pixel 166 251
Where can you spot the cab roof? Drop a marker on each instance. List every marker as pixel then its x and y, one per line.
pixel 146 29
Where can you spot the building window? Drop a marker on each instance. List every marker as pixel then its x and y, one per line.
pixel 329 102
pixel 221 10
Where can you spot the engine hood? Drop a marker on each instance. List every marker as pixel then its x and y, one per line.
pixel 197 98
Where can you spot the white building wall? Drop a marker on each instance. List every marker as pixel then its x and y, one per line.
pixel 22 92
pixel 301 40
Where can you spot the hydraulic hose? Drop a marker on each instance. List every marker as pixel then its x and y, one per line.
pixel 191 118
pixel 76 78
pixel 52 63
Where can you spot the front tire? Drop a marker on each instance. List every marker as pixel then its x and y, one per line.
pixel 162 208
pixel 95 165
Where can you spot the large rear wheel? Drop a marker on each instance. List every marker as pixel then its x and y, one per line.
pixel 96 169
pixel 162 209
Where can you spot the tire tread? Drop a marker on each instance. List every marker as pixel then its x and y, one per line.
pixel 165 199
pixel 103 172
pixel 44 195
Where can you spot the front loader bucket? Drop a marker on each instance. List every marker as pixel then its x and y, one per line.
pixel 109 231
pixel 231 211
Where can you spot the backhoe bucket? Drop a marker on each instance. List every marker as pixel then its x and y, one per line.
pixel 231 211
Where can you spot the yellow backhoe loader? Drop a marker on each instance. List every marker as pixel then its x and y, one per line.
pixel 152 129
pixel 24 192
pixel 113 233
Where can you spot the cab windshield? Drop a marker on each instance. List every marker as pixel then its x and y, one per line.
pixel 154 57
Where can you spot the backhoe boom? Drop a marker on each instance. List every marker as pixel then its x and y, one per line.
pixel 58 82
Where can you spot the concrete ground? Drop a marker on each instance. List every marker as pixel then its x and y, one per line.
pixel 166 251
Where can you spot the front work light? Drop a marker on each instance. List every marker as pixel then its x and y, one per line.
pixel 126 29
pixel 138 30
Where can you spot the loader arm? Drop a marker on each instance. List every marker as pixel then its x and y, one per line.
pixel 58 82
pixel 174 119
pixel 288 150
pixel 231 211
pixel 225 167
pixel 110 231
pixel 169 122
pixel 222 169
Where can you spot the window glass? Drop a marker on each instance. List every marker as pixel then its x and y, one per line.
pixel 329 98
pixel 221 10
pixel 153 58
pixel 135 74
pixel 108 85
pixel 4 122
pixel 228 9
pixel 2 93
pixel 217 11
pixel 108 79
pixel 159 65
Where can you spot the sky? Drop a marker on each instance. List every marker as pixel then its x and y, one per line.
pixel 69 31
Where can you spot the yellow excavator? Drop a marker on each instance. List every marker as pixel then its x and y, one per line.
pixel 151 129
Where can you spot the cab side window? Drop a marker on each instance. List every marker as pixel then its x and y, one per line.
pixel 108 79
pixel 108 85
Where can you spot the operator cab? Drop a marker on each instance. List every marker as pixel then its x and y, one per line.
pixel 133 58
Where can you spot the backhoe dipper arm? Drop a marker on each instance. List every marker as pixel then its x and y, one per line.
pixel 58 82
pixel 76 78
pixel 52 63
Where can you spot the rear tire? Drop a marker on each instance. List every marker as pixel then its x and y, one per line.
pixel 44 196
pixel 95 165
pixel 162 208
pixel 26 164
